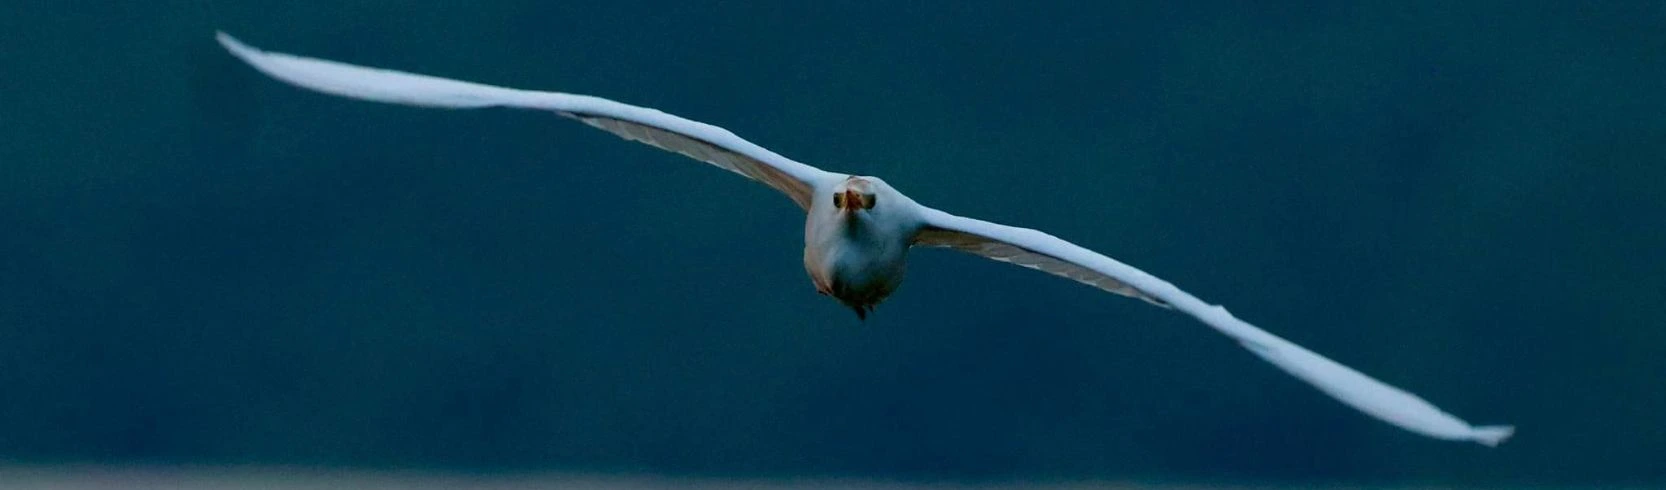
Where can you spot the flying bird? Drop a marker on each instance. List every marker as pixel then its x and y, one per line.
pixel 859 229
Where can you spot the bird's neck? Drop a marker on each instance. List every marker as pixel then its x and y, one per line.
pixel 854 224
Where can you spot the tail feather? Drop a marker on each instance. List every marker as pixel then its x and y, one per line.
pixel 861 310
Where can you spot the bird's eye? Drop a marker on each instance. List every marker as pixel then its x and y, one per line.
pixel 839 200
pixel 868 201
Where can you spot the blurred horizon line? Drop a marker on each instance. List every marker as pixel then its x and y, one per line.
pixel 21 476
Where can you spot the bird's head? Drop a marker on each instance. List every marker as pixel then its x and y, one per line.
pixel 855 194
pixel 869 202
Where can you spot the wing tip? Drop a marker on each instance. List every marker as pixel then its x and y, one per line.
pixel 1492 435
pixel 249 54
pixel 232 44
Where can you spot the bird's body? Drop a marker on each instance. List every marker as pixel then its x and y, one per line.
pixel 858 229
pixel 859 255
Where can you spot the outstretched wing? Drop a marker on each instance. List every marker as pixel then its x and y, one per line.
pixel 696 140
pixel 1037 250
pixel 975 244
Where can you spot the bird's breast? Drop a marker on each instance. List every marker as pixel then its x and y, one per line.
pixel 859 270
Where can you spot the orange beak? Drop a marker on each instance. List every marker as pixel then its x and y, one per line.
pixel 853 200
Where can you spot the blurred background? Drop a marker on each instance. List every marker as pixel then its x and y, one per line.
pixel 202 268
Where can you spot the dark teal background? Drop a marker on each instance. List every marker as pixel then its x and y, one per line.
pixel 201 265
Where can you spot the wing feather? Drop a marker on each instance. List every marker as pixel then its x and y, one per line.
pixel 1031 259
pixel 1037 250
pixel 696 140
